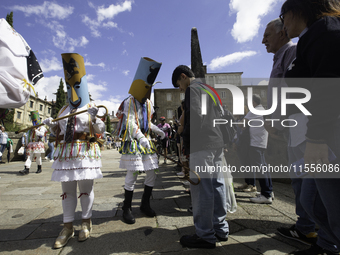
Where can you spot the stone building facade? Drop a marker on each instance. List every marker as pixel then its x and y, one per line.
pixel 22 114
pixel 167 101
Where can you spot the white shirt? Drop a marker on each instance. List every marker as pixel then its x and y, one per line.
pixel 3 137
pixel 258 134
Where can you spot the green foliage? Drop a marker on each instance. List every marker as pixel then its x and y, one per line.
pixel 9 19
pixel 108 124
pixel 61 98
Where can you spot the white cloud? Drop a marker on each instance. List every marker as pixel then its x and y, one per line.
pixel 126 72
pixel 248 17
pixel 47 86
pixel 230 59
pixel 97 90
pixel 61 40
pixel 263 82
pixel 53 64
pixel 113 10
pixel 47 10
pixel 105 13
pixel 102 65
pixel 111 104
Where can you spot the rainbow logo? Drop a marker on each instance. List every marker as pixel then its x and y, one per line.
pixel 204 98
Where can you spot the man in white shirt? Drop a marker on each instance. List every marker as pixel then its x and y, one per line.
pixel 258 145
pixel 3 142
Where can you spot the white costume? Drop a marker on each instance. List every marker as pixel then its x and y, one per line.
pixel 138 152
pixel 18 67
pixel 79 160
pixel 35 146
pixel 136 157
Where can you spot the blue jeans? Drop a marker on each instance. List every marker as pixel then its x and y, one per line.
pixel 2 149
pixel 256 158
pixel 304 222
pixel 51 146
pixel 323 206
pixel 209 197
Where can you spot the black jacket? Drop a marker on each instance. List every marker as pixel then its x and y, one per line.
pixel 317 60
pixel 199 133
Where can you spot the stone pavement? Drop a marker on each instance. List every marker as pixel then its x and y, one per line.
pixel 31 216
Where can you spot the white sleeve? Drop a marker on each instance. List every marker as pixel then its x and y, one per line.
pixel 99 126
pixel 156 129
pixel 40 131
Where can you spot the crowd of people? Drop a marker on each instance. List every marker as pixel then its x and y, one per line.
pixel 311 63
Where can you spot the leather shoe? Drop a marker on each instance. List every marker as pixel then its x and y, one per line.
pixel 194 241
pixel 85 231
pixel 65 235
pixel 221 239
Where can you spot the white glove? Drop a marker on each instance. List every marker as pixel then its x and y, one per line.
pixel 158 131
pixel 48 121
pixel 93 112
pixel 145 143
pixel 162 135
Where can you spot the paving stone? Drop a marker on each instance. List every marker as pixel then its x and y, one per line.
pixel 261 243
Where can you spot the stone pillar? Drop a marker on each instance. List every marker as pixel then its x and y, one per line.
pixel 196 57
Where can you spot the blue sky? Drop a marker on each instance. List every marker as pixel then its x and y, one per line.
pixel 113 35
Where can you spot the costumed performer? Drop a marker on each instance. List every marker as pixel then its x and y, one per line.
pixel 77 160
pixel 138 155
pixel 35 144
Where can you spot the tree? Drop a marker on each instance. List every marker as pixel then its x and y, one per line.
pixel 108 124
pixel 9 19
pixel 61 98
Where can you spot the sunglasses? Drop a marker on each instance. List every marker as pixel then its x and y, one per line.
pixel 281 16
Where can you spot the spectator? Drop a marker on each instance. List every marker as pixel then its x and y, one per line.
pixel 317 24
pixel 51 147
pixel 165 127
pixel 206 149
pixel 3 142
pixel 276 41
pixel 258 145
pixel 23 144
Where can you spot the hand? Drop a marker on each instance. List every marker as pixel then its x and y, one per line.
pixel 47 121
pixel 270 129
pixel 316 153
pixel 145 143
pixel 93 112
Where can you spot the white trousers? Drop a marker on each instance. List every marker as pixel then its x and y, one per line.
pixel 70 199
pixel 30 158
pixel 131 178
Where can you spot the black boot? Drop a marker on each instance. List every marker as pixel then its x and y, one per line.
pixel 39 170
pixel 25 171
pixel 145 206
pixel 127 213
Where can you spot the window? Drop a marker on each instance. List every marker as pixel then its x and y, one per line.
pixel 223 94
pixel 169 114
pixel 18 115
pixel 263 93
pixel 181 96
pixel 31 104
pixel 41 107
pixel 168 97
pixel 49 110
